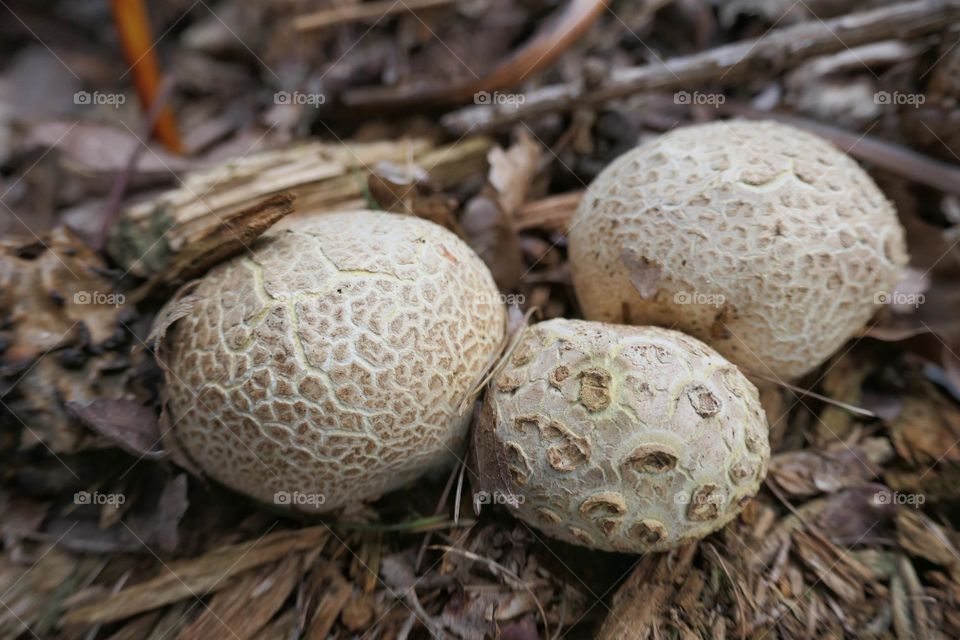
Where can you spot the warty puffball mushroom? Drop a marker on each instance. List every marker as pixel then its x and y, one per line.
pixel 762 240
pixel 327 367
pixel 620 438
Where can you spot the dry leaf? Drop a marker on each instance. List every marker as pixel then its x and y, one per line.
pixel 928 426
pixel 512 172
pixel 123 423
pixel 489 232
pixel 645 275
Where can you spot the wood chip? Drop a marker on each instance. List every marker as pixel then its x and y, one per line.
pixel 331 591
pixel 241 609
pixel 195 577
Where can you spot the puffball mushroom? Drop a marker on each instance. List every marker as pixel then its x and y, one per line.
pixel 620 438
pixel 762 240
pixel 326 367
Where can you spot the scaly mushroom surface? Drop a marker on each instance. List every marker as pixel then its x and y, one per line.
pixel 620 438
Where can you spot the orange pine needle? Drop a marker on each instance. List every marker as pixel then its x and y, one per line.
pixel 138 49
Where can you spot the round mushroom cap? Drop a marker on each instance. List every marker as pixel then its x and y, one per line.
pixel 326 366
pixel 620 438
pixel 762 240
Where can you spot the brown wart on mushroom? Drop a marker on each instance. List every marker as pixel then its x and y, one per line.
pixel 672 453
pixel 327 366
pixel 762 240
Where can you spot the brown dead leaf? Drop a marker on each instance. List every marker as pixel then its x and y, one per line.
pixel 857 515
pixel 490 233
pixel 98 152
pixel 158 526
pixel 512 172
pixel 39 403
pixel 123 423
pixel 408 191
pixel 928 426
pixel 644 274
pixel 55 294
pixel 808 472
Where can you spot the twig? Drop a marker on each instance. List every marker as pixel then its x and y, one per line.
pixel 358 12
pixel 725 65
pixel 553 212
pixel 112 206
pixel 459 495
pixel 536 54
pixel 407 627
pixel 439 508
pixel 813 394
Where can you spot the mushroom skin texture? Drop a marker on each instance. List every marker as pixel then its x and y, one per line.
pixel 762 240
pixel 620 438
pixel 327 367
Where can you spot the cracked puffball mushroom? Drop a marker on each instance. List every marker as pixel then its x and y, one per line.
pixel 326 366
pixel 762 240
pixel 620 438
